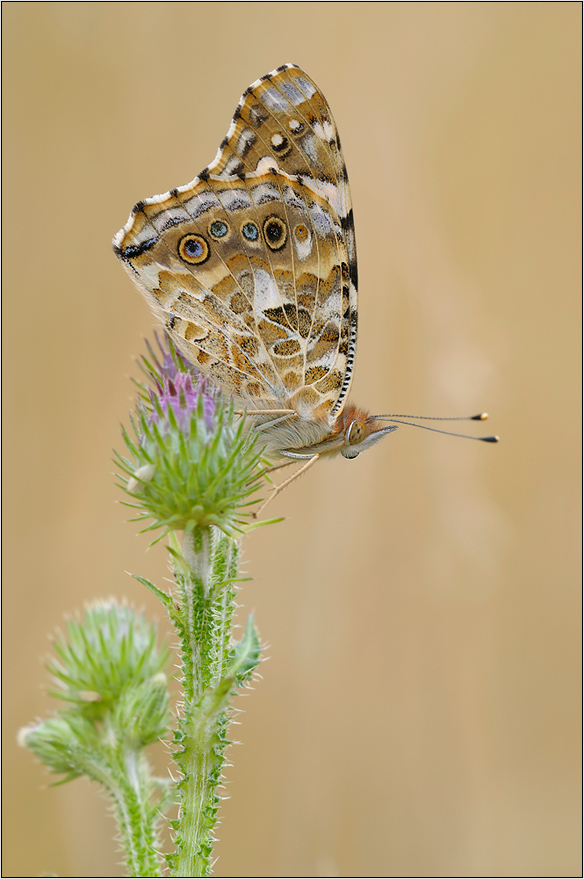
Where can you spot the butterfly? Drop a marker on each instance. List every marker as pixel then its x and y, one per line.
pixel 252 269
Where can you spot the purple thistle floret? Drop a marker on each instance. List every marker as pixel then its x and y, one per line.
pixel 179 386
pixel 181 392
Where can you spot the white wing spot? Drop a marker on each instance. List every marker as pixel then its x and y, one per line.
pixel 306 86
pixel 168 217
pixel 265 165
pixel 292 93
pixel 233 166
pixel 200 204
pixel 236 200
pixel 321 221
pixel 274 100
pixel 303 247
pixel 266 291
pixel 246 139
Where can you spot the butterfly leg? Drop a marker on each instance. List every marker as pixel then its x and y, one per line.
pixel 278 488
pixel 251 412
pixel 282 414
pixel 278 466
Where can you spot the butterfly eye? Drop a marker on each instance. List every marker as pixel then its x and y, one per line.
pixel 250 231
pixel 218 229
pixel 193 249
pixel 275 233
pixel 356 433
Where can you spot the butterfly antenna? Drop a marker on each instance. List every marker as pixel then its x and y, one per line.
pixel 482 416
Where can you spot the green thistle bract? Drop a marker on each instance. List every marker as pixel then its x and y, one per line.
pixel 99 657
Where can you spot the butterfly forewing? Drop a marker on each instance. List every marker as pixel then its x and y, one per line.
pixel 283 122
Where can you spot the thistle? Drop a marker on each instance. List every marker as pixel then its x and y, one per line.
pixel 110 674
pixel 189 470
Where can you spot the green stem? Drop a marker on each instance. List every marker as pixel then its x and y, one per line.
pixel 143 817
pixel 195 598
pixel 204 622
pixel 201 763
pixel 127 780
pixel 136 825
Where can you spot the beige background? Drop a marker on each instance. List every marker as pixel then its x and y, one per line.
pixel 419 711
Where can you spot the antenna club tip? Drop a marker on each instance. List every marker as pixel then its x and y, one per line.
pixel 489 439
pixel 482 416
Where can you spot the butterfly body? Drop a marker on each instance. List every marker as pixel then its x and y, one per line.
pixel 252 269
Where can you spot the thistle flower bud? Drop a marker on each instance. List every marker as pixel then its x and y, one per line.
pixel 99 657
pixel 108 670
pixel 192 464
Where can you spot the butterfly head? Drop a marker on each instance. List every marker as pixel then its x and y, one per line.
pixel 360 431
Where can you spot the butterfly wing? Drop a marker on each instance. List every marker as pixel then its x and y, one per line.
pixel 252 265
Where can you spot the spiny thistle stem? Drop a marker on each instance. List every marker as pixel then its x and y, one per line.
pixel 135 818
pixel 191 468
pixel 205 585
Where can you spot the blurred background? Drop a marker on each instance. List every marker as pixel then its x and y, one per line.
pixel 419 709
